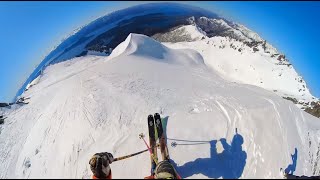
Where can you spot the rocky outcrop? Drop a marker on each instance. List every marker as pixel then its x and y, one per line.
pixel 314 109
pixel 294 100
pixel 2 118
pixel 4 104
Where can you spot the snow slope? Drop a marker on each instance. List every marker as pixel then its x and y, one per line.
pixel 95 104
pixel 235 61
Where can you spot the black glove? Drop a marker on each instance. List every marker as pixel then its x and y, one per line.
pixel 100 164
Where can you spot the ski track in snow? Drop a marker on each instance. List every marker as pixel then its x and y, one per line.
pixel 227 117
pixel 235 124
pixel 96 104
pixel 277 112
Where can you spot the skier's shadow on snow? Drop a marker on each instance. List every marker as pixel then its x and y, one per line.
pixel 228 164
pixel 292 167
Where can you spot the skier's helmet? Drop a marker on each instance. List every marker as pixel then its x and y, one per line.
pixel 165 170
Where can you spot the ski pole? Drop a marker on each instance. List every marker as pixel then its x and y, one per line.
pixel 141 136
pixel 130 155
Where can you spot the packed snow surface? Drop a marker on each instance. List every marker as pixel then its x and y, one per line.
pixel 215 128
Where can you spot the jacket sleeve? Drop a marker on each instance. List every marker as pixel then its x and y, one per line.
pixel 149 177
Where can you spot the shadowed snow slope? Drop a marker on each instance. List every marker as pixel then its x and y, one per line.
pixel 95 104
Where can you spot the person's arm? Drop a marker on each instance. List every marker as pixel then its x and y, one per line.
pixel 100 165
pixel 224 144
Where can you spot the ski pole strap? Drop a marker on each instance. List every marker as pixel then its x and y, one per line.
pixel 130 155
pixel 141 136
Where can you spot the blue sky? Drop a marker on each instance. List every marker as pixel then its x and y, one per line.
pixel 30 29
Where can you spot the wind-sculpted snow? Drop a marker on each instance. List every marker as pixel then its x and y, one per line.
pixel 141 45
pixel 215 128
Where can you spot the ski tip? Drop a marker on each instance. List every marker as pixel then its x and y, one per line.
pixel 150 116
pixel 156 114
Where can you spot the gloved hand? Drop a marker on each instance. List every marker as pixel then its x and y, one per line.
pixel 100 164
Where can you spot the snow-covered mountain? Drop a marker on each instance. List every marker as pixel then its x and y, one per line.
pixel 217 128
pixel 241 55
pixel 236 52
